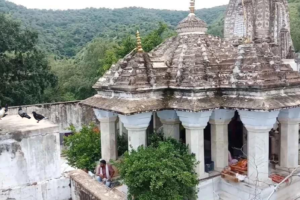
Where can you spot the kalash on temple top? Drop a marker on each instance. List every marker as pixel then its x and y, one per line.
pixel 194 71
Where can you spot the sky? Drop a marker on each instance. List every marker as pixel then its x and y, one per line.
pixel 78 4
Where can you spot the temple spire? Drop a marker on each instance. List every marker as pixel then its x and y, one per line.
pixel 139 43
pixel 192 7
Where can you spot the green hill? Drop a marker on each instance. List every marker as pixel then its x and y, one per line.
pixel 295 22
pixel 66 32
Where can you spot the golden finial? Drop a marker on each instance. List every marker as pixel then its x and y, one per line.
pixel 139 43
pixel 192 6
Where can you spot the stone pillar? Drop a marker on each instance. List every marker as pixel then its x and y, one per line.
pixel 258 125
pixel 195 124
pixel 108 134
pixel 289 137
pixel 136 125
pixel 171 123
pixel 219 121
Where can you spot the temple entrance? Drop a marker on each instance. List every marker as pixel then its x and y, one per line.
pixel 236 137
pixel 207 145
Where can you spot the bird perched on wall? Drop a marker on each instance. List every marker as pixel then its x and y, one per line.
pixel 23 114
pixel 3 111
pixel 38 117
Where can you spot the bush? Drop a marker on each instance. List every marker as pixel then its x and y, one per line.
pixel 83 148
pixel 164 172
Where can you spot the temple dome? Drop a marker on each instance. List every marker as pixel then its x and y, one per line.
pixel 194 72
pixel 192 24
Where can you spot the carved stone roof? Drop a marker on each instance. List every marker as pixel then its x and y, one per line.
pixel 192 24
pixel 194 71
pixel 129 74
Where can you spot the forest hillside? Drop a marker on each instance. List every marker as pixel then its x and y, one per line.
pixel 78 46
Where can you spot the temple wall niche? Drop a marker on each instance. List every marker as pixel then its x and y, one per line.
pixel 239 29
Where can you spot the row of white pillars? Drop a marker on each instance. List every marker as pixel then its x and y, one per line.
pixel 258 125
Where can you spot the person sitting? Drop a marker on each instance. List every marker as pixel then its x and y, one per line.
pixel 105 173
pixel 231 160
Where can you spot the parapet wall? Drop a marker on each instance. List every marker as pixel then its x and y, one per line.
pixel 30 163
pixel 85 187
pixel 63 114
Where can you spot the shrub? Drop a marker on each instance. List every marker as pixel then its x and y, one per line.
pixel 164 170
pixel 83 148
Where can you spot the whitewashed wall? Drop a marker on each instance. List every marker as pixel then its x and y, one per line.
pixel 30 163
pixel 63 114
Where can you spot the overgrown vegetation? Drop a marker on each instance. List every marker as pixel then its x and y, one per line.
pixel 65 33
pixel 83 148
pixel 24 70
pixel 81 45
pixel 164 170
pixel 76 76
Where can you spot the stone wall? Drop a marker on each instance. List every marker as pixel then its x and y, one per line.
pixel 63 114
pixel 30 164
pixel 83 187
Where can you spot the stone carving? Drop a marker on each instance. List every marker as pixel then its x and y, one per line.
pixel 264 21
pixel 194 65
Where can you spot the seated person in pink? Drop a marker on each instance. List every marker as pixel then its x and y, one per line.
pixel 105 173
pixel 230 160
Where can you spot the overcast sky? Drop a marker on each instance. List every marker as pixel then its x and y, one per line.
pixel 77 4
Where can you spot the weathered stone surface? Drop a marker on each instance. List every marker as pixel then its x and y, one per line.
pixel 84 185
pixel 30 167
pixel 260 21
pixel 63 114
pixel 196 72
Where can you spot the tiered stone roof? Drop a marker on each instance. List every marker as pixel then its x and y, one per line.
pixel 194 72
pixel 192 24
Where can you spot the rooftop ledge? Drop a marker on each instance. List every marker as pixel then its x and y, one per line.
pixel 95 190
pixel 14 127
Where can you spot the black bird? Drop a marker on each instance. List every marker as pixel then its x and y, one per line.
pixel 38 117
pixel 23 114
pixel 6 108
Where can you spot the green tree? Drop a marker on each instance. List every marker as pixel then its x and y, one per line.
pixel 126 46
pixel 162 171
pixel 24 70
pixel 154 38
pixel 83 148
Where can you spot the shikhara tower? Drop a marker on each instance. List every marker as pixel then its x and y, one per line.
pixel 261 21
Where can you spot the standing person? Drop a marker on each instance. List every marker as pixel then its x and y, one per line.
pixel 105 173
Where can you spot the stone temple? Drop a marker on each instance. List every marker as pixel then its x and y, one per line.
pixel 239 94
pixel 198 81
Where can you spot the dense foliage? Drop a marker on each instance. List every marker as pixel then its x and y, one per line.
pixel 82 44
pixel 67 32
pixel 83 148
pixel 164 170
pixel 295 22
pixel 24 70
pixel 76 76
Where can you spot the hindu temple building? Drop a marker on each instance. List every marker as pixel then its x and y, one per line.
pixel 209 85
